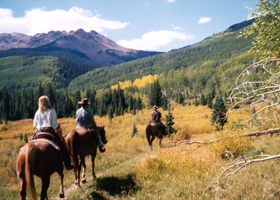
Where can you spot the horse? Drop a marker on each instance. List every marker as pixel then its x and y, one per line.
pixel 40 157
pixel 152 131
pixel 82 142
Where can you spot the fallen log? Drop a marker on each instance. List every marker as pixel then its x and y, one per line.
pixel 256 134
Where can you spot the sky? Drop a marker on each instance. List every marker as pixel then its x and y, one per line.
pixel 152 25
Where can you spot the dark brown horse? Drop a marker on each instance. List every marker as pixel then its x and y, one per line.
pixel 81 142
pixel 152 131
pixel 42 158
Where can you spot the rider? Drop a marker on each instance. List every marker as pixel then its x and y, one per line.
pixel 84 118
pixel 45 120
pixel 156 115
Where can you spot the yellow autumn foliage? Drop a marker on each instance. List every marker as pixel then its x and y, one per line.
pixel 139 82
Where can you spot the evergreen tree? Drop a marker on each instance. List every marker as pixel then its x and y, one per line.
pixel 180 98
pixel 219 112
pixel 164 103
pixel 134 130
pixel 195 102
pixel 134 111
pixel 25 138
pixel 169 123
pixel 51 94
pixel 155 94
pixel 209 100
pixel 20 137
pixel 139 103
pixel 130 104
pixel 5 105
pixel 202 100
pixel 110 113
pixel 39 92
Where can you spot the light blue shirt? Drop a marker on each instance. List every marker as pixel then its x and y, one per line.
pixel 84 117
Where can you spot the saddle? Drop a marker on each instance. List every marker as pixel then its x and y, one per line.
pixel 83 129
pixel 49 134
pixel 153 123
pixel 46 140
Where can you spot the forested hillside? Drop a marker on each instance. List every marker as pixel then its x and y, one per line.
pixel 201 63
pixel 204 70
pixel 27 72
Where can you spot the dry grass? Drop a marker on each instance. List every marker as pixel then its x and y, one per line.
pixel 180 172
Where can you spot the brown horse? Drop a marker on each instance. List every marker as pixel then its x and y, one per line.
pixel 152 131
pixel 42 158
pixel 81 142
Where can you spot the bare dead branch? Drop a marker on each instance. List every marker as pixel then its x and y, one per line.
pixel 256 134
pixel 237 166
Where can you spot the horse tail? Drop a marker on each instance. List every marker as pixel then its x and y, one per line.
pixel 148 130
pixel 29 158
pixel 69 140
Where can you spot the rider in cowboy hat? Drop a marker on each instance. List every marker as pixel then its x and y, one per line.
pixel 156 115
pixel 84 117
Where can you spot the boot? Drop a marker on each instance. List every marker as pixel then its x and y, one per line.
pixel 102 149
pixel 100 143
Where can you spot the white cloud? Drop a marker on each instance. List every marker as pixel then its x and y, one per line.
pixel 204 20
pixel 177 28
pixel 42 21
pixel 171 1
pixel 154 40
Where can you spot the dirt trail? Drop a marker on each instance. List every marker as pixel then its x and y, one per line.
pixel 73 187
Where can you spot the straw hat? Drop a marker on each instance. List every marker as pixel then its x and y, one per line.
pixel 84 101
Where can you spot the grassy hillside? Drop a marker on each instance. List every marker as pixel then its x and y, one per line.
pixel 129 170
pixel 205 57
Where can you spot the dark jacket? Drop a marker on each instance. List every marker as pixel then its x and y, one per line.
pixel 156 115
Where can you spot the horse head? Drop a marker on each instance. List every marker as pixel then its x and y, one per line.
pixel 101 130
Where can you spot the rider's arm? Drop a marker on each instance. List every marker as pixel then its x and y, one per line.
pixel 53 119
pixel 35 121
pixel 92 121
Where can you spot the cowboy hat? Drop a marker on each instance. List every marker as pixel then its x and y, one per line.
pixel 155 106
pixel 84 101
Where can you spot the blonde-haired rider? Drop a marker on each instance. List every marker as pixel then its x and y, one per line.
pixel 45 120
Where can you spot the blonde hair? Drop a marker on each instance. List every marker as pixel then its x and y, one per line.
pixel 44 103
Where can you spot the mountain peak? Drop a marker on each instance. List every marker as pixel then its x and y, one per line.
pixel 92 46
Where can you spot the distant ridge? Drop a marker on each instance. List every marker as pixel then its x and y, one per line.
pixel 79 46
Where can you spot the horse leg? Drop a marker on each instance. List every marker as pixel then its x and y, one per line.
pixel 22 185
pixel 76 168
pixel 92 165
pixel 78 177
pixel 84 169
pixel 148 136
pixel 45 186
pixel 153 137
pixel 61 193
pixel 160 145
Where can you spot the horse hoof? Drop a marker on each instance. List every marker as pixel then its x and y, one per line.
pixel 84 181
pixel 61 195
pixel 78 186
